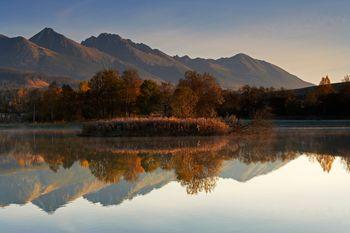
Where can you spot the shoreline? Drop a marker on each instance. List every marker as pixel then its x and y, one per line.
pixel 277 124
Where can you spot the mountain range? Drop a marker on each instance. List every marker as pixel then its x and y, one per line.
pixel 52 54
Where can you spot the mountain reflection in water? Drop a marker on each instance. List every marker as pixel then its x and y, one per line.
pixel 53 168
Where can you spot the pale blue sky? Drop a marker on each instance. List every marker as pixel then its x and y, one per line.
pixel 307 38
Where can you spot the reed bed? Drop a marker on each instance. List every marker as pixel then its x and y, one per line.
pixel 155 126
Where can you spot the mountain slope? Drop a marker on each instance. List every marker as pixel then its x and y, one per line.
pixel 153 61
pixel 19 52
pixel 13 79
pixel 61 56
pixel 260 73
pixel 242 69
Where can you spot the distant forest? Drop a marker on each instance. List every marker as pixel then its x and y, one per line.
pixel 109 94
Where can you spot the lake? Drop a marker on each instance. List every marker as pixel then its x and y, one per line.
pixel 283 180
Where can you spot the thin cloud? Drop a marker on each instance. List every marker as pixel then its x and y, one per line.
pixel 71 9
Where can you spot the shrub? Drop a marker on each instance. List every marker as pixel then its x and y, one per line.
pixel 156 126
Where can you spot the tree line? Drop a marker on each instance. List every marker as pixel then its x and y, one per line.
pixel 322 101
pixel 109 94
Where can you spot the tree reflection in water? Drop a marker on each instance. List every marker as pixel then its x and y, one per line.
pixel 196 162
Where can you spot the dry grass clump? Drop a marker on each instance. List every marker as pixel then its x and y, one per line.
pixel 155 126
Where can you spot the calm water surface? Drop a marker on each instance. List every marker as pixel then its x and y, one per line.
pixel 285 180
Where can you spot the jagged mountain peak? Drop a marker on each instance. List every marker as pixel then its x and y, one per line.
pixel 48 30
pixel 117 40
pixel 57 42
pixel 109 35
pixel 187 58
pixel 239 57
pixel 50 39
pixel 47 35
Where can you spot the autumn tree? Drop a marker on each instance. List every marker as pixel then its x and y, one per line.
pixel 5 99
pixel 210 97
pixel 33 105
pixel 184 102
pixel 197 171
pixel 82 100
pixel 149 100
pixel 252 99
pixel 18 101
pixel 84 86
pixel 325 86
pixel 166 92
pixel 130 90
pixel 50 102
pixel 208 93
pixel 104 93
pixel 230 104
pixel 281 102
pixel 68 103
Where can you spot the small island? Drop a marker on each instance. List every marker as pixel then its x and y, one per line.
pixel 147 127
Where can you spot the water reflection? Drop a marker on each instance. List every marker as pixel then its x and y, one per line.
pixel 53 168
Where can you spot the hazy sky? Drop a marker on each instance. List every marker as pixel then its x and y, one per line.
pixel 307 38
